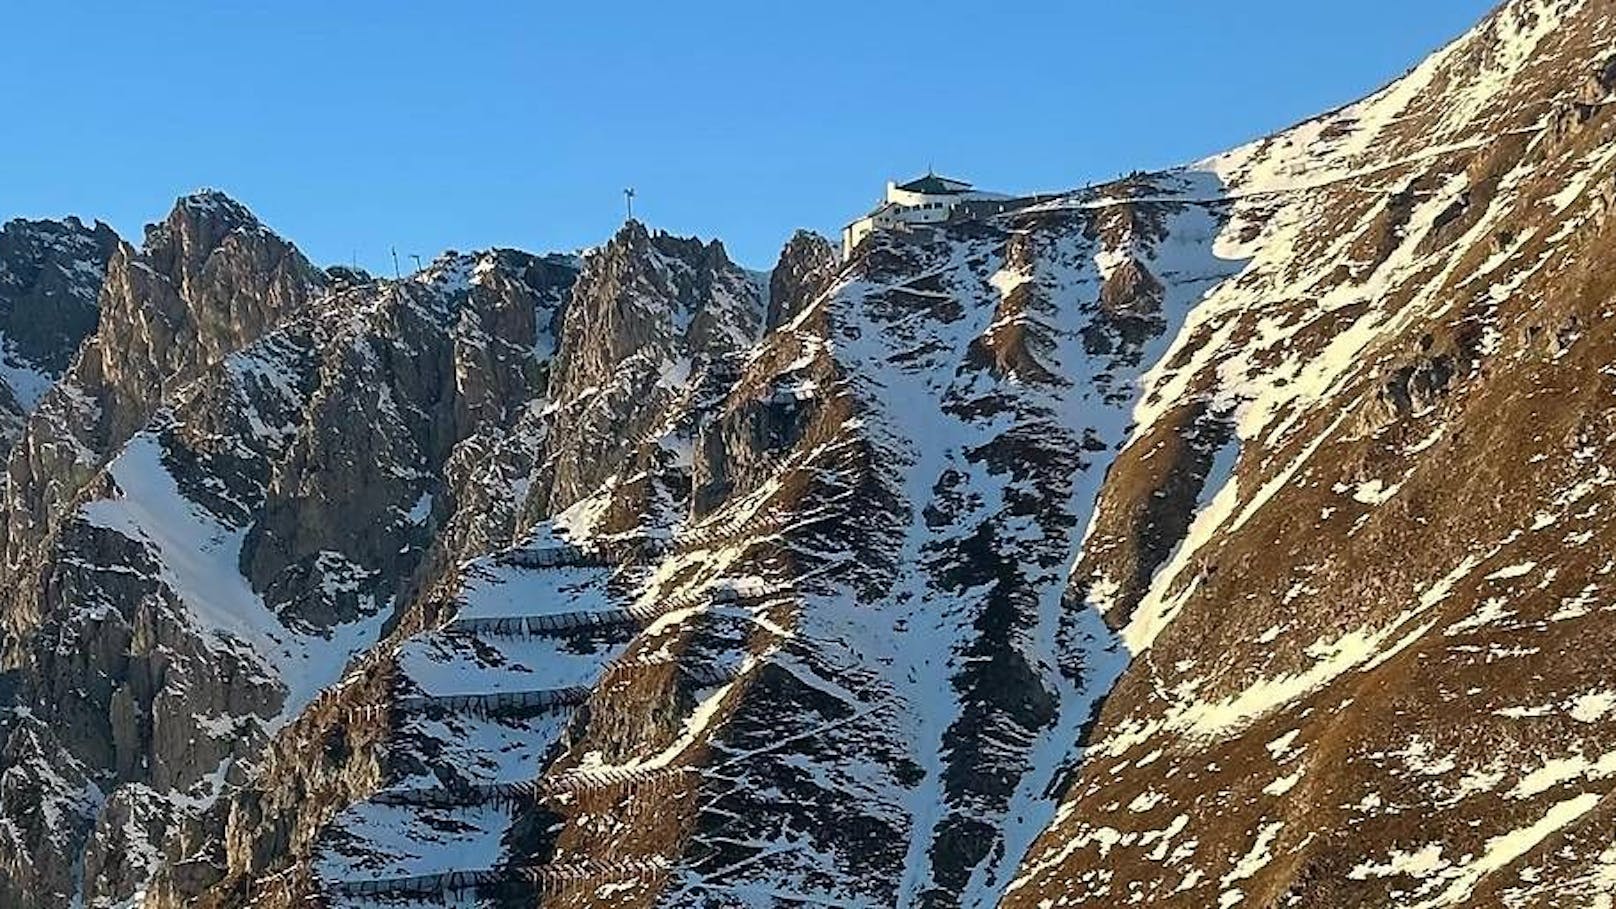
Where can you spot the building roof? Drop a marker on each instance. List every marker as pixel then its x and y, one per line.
pixel 933 185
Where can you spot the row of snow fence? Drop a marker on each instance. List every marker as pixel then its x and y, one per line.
pixel 704 675
pixel 795 394
pixel 757 524
pixel 486 703
pixel 743 592
pixel 555 623
pixel 618 551
pixel 564 555
pixel 602 553
pixel 541 625
pixel 578 782
pixel 360 716
pixel 545 876
pixel 331 696
pixel 747 593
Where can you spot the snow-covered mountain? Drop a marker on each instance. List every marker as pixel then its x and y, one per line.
pixel 1227 536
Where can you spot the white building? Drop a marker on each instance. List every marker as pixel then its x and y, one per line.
pixel 928 200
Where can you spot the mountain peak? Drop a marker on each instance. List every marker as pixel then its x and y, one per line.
pixel 215 207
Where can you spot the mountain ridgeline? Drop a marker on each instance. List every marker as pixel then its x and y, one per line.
pixel 1234 535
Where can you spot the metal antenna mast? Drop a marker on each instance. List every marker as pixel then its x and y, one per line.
pixel 628 198
pixel 394 251
pixel 417 261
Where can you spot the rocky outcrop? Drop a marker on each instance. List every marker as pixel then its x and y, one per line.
pixel 806 268
pixel 48 800
pixel 261 526
pixel 207 281
pixel 50 278
pixel 452 357
pixel 650 311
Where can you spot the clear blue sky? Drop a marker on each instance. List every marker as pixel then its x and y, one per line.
pixel 353 126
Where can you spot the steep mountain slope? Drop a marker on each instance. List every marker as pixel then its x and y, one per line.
pixel 1229 536
pixel 444 732
pixel 1373 671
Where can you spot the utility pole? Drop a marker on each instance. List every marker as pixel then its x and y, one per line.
pixel 628 197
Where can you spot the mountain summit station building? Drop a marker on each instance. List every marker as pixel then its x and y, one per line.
pixel 928 200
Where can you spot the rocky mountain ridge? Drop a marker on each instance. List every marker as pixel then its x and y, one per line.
pixel 1227 536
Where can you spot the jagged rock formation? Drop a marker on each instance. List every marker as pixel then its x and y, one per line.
pixel 50 278
pixel 1229 536
pixel 208 280
pixel 807 267
pixel 222 564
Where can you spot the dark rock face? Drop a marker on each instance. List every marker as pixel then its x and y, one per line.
pixel 209 280
pixel 44 795
pixel 806 268
pixel 50 278
pixel 449 359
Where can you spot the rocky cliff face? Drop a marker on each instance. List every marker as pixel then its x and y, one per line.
pixel 1228 536
pixel 51 274
pixel 209 280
